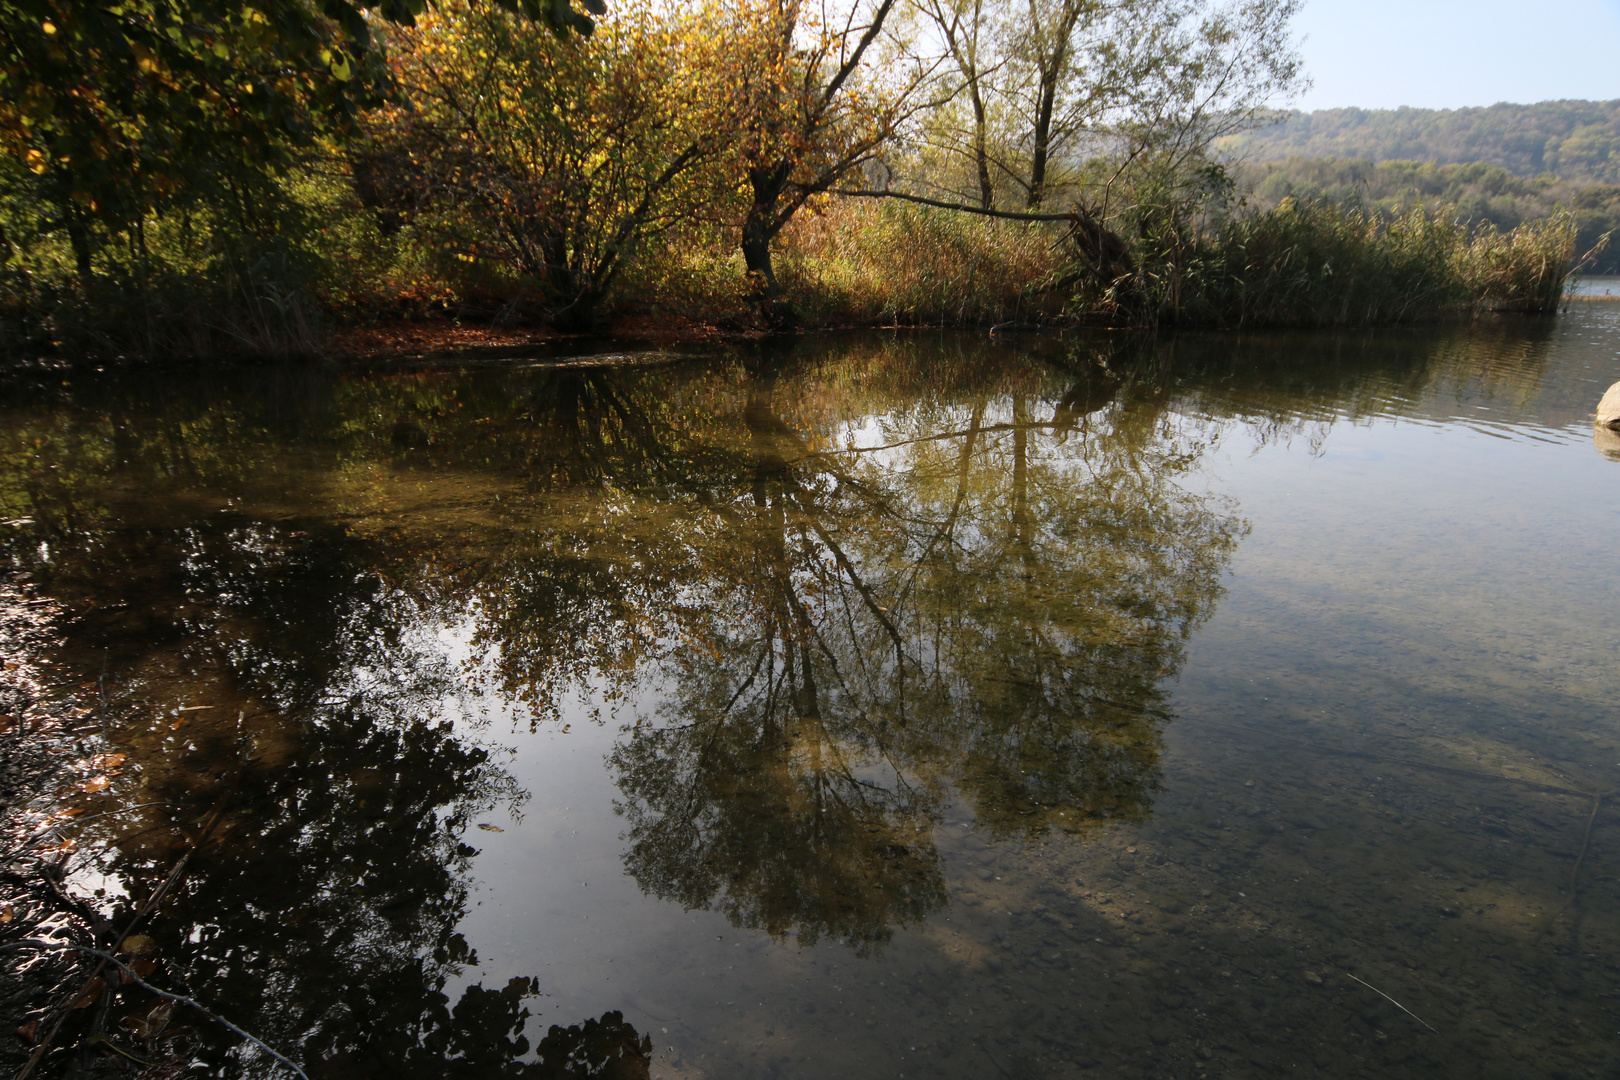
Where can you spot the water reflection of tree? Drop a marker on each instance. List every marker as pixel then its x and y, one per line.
pixel 323 911
pixel 985 594
pixel 990 598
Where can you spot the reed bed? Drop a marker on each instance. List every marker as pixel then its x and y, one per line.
pixel 1318 265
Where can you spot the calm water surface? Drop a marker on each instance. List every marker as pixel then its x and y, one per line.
pixel 874 707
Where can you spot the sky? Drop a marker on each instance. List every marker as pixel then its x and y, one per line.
pixel 1447 54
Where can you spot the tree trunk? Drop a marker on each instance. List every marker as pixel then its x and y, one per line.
pixel 1043 137
pixel 981 156
pixel 79 238
pixel 1051 68
pixel 759 229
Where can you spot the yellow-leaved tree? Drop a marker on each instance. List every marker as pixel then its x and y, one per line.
pixel 554 157
pixel 819 91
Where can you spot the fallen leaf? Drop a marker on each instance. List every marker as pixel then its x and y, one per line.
pixel 28 1031
pixel 92 993
pixel 152 1024
pixel 137 945
pixel 107 761
pixel 94 784
pixel 7 913
pixel 141 967
pixel 490 828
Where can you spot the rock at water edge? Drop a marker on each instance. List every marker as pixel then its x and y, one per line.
pixel 1608 413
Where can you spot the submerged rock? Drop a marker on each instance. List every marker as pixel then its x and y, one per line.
pixel 1608 410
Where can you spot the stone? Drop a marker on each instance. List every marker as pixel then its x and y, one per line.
pixel 1608 410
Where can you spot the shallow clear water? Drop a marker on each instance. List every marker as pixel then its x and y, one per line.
pixel 877 706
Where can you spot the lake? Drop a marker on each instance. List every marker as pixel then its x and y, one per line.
pixel 872 706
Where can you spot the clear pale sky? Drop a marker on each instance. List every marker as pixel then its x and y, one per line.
pixel 1445 54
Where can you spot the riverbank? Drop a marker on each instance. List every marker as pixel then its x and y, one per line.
pixel 851 265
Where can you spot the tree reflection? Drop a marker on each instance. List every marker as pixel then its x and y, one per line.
pixel 983 593
pixel 855 587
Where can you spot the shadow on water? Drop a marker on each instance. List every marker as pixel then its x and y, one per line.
pixel 858 582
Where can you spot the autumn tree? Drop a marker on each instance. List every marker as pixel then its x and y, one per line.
pixel 814 107
pixel 555 157
pixel 113 109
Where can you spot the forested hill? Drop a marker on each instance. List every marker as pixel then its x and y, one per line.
pixel 1575 140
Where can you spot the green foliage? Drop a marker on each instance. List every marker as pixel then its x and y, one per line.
pixel 162 153
pixel 119 108
pixel 114 111
pixel 194 283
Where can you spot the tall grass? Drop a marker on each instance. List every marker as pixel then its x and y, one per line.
pixel 1307 264
pixel 861 262
pixel 856 262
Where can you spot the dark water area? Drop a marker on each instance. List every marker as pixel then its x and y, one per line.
pixel 873 707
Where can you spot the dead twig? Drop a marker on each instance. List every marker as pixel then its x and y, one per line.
pixel 130 976
pixel 146 909
pixel 1393 1002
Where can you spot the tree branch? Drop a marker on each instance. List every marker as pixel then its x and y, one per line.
pixel 1010 215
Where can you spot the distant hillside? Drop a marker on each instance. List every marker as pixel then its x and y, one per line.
pixel 1577 141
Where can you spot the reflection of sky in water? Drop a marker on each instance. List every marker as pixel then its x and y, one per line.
pixel 1605 286
pixel 1375 758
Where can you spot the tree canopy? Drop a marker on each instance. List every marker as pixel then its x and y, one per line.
pixel 1573 140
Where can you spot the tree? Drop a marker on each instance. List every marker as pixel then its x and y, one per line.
pixel 112 109
pixel 813 109
pixel 1078 88
pixel 553 156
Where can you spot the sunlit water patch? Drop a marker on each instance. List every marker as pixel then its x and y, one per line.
pixel 877 706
